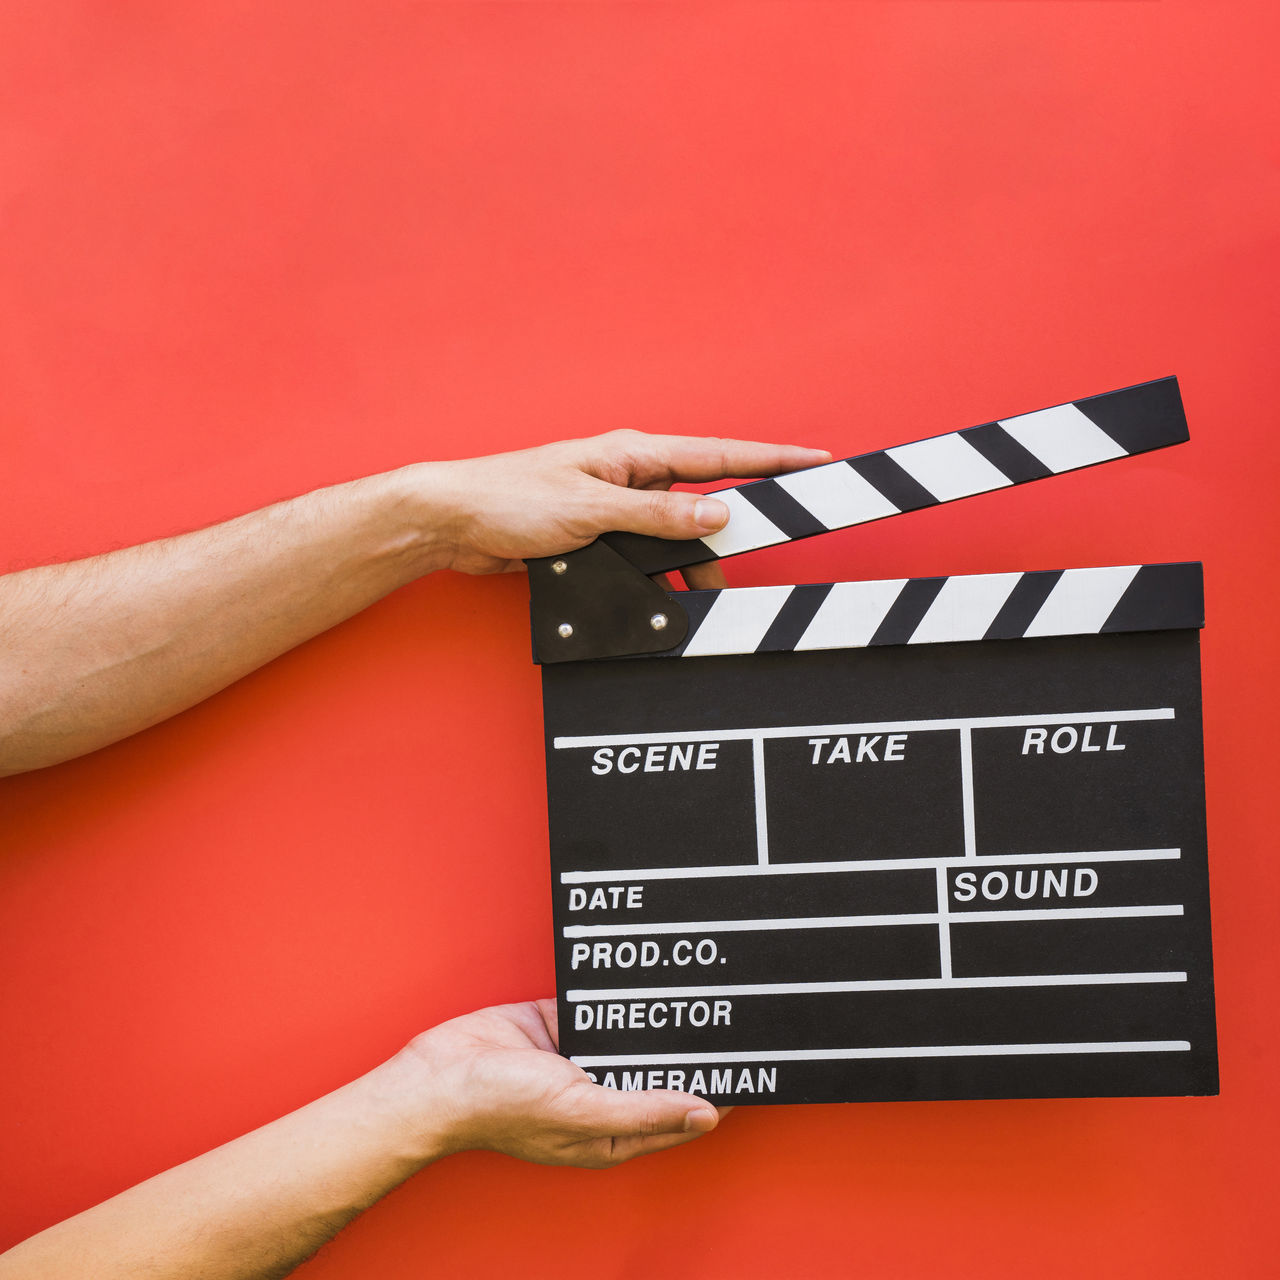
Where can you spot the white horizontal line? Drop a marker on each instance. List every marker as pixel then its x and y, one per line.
pixel 856 922
pixel 875 984
pixel 744 926
pixel 885 726
pixel 892 1051
pixel 1061 913
pixel 864 864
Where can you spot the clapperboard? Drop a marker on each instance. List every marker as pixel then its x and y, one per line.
pixel 925 838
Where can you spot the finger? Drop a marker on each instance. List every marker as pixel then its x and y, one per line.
pixel 645 1113
pixel 693 458
pixel 627 1148
pixel 708 576
pixel 659 513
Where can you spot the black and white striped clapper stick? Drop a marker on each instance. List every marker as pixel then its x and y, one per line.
pixel 912 611
pixel 872 486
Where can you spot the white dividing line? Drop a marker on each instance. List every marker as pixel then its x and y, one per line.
pixel 879 726
pixel 891 1051
pixel 856 922
pixel 744 926
pixel 762 817
pixel 864 864
pixel 944 928
pixel 1064 913
pixel 966 793
pixel 874 984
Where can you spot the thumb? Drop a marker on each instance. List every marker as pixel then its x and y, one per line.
pixel 644 1113
pixel 663 514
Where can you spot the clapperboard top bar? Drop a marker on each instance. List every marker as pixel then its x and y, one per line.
pixel 599 602
pixel 889 482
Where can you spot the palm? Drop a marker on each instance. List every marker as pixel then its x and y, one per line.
pixel 524 1099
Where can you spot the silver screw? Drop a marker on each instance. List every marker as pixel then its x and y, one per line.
pixel 558 567
pixel 658 621
pixel 564 631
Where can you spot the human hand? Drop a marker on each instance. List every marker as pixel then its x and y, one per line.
pixel 496 512
pixel 494 1080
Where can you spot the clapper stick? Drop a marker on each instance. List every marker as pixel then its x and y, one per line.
pixel 920 838
pixel 596 603
pixel 889 482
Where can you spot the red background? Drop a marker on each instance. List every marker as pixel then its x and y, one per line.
pixel 249 249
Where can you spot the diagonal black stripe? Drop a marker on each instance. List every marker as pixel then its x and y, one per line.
pixel 776 504
pixel 1024 602
pixel 901 488
pixel 1005 453
pixel 1161 597
pixel 904 615
pixel 793 618
pixel 1148 416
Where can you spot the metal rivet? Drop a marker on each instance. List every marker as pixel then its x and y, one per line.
pixel 558 567
pixel 564 631
pixel 658 621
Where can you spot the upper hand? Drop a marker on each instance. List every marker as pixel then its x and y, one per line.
pixel 495 1080
pixel 500 510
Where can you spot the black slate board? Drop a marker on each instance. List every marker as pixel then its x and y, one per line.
pixel 868 932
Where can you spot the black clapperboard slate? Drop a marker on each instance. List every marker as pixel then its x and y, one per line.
pixel 931 838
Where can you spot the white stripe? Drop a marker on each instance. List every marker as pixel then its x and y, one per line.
pixel 858 922
pixel 949 467
pixel 850 615
pixel 867 864
pixel 873 726
pixel 737 621
pixel 1081 601
pixel 965 607
pixel 874 984
pixel 747 528
pixel 837 495
pixel 1062 438
pixel 894 1051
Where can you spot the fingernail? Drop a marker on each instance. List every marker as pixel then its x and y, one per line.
pixel 699 1119
pixel 711 513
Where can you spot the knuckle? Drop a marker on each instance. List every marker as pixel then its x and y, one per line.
pixel 662 506
pixel 650 1124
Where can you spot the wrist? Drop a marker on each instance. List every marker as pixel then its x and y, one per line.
pixel 407 1091
pixel 414 518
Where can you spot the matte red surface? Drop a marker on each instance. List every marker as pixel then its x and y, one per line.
pixel 248 249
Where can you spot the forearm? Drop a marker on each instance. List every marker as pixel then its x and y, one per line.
pixel 95 650
pixel 253 1209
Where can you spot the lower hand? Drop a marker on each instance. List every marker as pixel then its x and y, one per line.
pixel 495 1080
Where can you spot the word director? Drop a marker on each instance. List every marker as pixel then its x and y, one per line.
pixel 636 1015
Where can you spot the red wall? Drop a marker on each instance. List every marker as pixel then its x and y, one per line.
pixel 248 249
